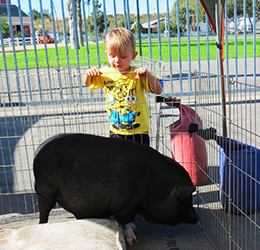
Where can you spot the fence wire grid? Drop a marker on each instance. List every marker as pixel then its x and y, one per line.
pixel 24 125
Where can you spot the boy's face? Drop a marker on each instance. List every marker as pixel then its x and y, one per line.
pixel 120 60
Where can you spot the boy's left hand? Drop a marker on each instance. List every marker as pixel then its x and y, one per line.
pixel 140 72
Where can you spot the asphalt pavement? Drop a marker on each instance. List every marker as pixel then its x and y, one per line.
pixel 163 237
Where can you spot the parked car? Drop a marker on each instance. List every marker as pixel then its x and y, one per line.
pixel 48 38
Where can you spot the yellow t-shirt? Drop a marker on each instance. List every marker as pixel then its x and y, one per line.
pixel 127 106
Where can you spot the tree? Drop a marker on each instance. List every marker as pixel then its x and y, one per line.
pixel 121 23
pixel 202 14
pixel 240 10
pixel 182 12
pixel 182 18
pixel 36 14
pixel 78 25
pixel 173 28
pixel 100 19
pixel 5 25
pixel 46 14
pixel 19 34
pixel 136 30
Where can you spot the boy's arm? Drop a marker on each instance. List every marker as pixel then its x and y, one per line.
pixel 153 82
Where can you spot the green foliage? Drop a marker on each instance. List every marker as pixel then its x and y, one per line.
pixel 46 14
pixel 173 27
pixel 182 18
pixel 182 12
pixel 18 34
pixel 240 8
pixel 136 29
pixel 121 23
pixel 162 27
pixel 202 14
pixel 100 19
pixel 5 25
pixel 37 15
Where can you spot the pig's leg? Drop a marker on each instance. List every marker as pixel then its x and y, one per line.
pixel 47 197
pixel 123 217
pixel 136 229
pixel 130 237
pixel 45 206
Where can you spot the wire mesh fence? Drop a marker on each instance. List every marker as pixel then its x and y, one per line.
pixel 60 104
pixel 227 204
pixel 25 126
pixel 230 201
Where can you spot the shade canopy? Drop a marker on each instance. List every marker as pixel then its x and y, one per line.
pixel 215 10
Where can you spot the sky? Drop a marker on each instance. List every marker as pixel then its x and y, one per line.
pixel 109 6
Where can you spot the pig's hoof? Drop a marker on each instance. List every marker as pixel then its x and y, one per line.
pixel 132 241
pixel 130 237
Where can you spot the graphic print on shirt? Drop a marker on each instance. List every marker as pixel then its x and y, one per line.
pixel 121 100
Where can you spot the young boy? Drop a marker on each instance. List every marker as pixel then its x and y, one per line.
pixel 124 87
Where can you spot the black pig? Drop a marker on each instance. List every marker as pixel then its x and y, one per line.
pixel 96 177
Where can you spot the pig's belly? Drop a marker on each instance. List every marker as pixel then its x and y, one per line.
pixel 86 207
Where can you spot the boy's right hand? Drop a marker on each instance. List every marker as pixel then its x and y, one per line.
pixel 90 73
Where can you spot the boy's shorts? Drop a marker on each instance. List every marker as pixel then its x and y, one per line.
pixel 142 138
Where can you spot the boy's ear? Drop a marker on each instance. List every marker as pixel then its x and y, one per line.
pixel 134 55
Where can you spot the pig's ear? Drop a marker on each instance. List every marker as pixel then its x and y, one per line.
pixel 183 191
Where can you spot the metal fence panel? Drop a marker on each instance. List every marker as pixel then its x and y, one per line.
pixel 243 70
pixel 234 185
pixel 228 206
pixel 28 118
pixel 41 94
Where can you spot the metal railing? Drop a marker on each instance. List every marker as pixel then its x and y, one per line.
pixel 41 94
pixel 242 68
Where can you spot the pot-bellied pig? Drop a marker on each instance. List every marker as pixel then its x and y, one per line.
pixel 97 177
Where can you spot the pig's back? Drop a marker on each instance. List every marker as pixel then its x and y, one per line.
pixel 93 158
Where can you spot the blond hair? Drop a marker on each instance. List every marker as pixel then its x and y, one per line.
pixel 120 39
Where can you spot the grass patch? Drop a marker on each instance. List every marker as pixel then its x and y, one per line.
pixel 83 58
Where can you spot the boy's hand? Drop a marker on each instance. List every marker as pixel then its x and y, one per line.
pixel 140 72
pixel 94 72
